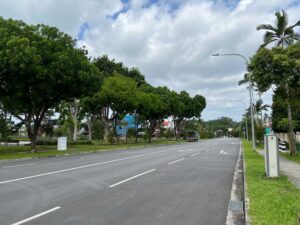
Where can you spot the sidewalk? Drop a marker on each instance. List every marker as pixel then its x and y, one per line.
pixel 288 168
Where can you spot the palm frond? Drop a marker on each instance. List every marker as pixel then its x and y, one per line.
pixel 266 27
pixel 288 40
pixel 297 37
pixel 295 25
pixel 288 31
pixel 269 37
pixel 245 80
pixel 279 42
pixel 281 21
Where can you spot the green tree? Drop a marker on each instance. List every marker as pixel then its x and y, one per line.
pixel 186 107
pixel 39 68
pixel 279 67
pixel 281 34
pixel 153 109
pixel 279 110
pixel 71 112
pixel 110 67
pixel 118 96
pixel 220 126
pixel 259 108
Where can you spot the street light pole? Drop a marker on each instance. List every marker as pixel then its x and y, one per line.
pixel 247 136
pixel 250 93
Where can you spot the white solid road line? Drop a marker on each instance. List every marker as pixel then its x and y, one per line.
pixel 29 164
pixel 170 163
pixel 195 154
pixel 85 166
pixel 131 178
pixel 36 216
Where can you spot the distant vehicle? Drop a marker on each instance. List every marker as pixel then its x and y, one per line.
pixel 192 136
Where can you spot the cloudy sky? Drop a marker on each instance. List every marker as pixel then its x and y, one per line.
pixel 171 41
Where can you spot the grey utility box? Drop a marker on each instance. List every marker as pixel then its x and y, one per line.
pixel 62 143
pixel 271 156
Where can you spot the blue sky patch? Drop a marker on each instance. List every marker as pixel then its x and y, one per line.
pixel 83 28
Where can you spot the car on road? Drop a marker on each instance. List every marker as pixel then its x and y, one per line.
pixel 192 136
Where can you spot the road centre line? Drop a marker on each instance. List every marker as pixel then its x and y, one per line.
pixel 36 216
pixel 29 164
pixel 170 163
pixel 131 178
pixel 195 154
pixel 82 167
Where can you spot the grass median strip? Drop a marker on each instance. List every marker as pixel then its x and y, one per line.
pixel 272 201
pixel 17 152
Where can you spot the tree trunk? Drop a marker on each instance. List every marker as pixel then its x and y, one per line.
pixel 149 135
pixel 175 129
pixel 33 143
pixel 74 108
pixel 152 126
pixel 89 125
pixel 106 134
pixel 292 141
pixel 33 133
pixel 176 126
pixel 75 132
pixel 115 130
pixel 291 132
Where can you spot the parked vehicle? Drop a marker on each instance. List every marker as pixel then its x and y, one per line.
pixel 192 136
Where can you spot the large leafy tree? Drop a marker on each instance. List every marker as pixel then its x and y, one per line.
pixel 153 109
pixel 279 110
pixel 186 108
pixel 281 33
pixel 71 112
pixel 220 126
pixel 118 96
pixel 109 67
pixel 279 67
pixel 39 68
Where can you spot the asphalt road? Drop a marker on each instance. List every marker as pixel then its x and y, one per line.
pixel 186 184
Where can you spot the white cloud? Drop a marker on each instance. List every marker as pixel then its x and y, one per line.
pixel 172 47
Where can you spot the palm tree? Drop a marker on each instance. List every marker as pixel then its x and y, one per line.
pixel 260 107
pixel 282 35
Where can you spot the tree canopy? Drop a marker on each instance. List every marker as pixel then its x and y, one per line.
pixel 277 66
pixel 39 67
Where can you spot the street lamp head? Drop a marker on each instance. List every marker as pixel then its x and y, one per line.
pixel 216 54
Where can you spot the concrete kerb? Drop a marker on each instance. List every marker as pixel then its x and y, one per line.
pixel 236 208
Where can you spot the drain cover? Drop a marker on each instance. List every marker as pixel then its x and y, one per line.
pixel 236 206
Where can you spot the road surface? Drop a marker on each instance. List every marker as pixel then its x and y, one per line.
pixel 186 184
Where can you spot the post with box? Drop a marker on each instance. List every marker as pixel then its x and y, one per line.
pixel 62 143
pixel 271 155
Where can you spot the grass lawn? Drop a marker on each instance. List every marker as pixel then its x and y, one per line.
pixel 292 158
pixel 15 152
pixel 272 201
